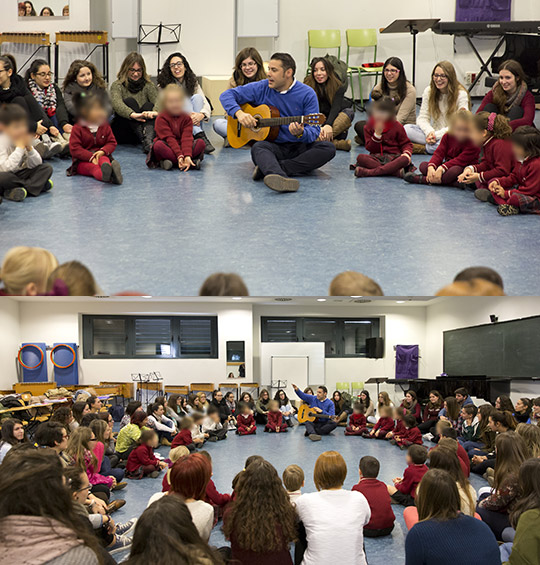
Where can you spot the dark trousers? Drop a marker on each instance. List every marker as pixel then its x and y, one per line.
pixel 515 113
pixel 35 180
pixel 122 456
pixel 219 434
pixel 424 427
pixel 483 466
pixel 359 129
pixel 167 435
pixel 107 469
pixel 291 159
pixel 261 418
pixel 497 521
pixel 403 499
pixel 101 491
pixel 128 131
pixel 320 427
pixel 378 533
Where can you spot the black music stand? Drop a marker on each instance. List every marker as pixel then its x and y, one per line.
pixel 376 380
pixel 414 27
pixel 158 35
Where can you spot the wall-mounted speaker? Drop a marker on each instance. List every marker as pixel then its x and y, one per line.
pixel 375 347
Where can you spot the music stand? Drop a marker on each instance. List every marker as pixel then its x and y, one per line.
pixel 145 379
pixel 414 27
pixel 378 381
pixel 158 35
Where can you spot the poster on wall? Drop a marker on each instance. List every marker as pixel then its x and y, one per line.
pixel 483 10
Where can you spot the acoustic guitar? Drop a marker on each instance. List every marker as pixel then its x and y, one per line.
pixel 268 123
pixel 308 414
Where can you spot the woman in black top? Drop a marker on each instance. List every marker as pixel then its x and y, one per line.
pixel 330 91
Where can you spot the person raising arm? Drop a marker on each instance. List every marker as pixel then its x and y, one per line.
pixel 324 406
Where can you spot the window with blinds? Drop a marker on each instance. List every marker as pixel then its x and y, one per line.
pixel 149 337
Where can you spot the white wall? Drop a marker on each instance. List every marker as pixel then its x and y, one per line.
pixel 9 342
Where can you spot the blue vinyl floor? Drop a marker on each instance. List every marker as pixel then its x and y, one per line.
pixel 282 450
pixel 163 232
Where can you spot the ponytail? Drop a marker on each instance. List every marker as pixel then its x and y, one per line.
pixel 495 124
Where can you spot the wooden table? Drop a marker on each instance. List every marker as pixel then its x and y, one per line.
pixel 37 418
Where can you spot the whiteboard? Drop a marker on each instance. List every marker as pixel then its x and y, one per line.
pixel 124 18
pixel 292 370
pixel 257 18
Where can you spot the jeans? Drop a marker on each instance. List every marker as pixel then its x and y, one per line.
pixel 470 446
pixel 220 127
pixel 107 470
pixel 194 104
pixel 416 135
pixel 320 427
pixel 506 550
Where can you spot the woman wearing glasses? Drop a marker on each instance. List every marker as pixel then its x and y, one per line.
pixel 395 85
pixel 176 70
pixel 248 67
pixel 39 79
pixel 444 96
pixel 134 97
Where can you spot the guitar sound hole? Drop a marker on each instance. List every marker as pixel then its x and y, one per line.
pixel 257 117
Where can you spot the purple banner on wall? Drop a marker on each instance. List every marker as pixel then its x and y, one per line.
pixel 483 10
pixel 407 361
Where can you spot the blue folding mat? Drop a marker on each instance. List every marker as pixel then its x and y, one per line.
pixel 33 360
pixel 65 357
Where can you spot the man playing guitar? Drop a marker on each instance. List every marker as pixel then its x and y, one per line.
pixel 295 150
pixel 322 405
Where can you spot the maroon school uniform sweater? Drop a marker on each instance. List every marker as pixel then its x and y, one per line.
pixel 384 425
pixel 245 420
pixel 452 153
pixel 411 477
pixel 83 143
pixel 213 496
pixel 399 428
pixel 183 437
pixel 275 420
pixel 527 103
pixel 525 176
pixel 142 455
pixel 412 435
pixel 358 420
pixel 497 160
pixel 393 141
pixel 176 132
pixel 376 493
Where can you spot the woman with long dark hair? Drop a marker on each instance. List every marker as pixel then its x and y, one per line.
pixel 30 10
pixel 12 433
pixel 248 67
pixel 431 411
pixel 395 85
pixel 176 70
pixel 134 97
pixel 261 521
pixel 510 96
pixel 411 405
pixel 330 90
pixel 342 407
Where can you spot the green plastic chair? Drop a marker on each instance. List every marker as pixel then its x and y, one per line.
pixel 361 39
pixel 324 39
pixel 357 388
pixel 343 387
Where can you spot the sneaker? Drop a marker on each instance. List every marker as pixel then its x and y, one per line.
pixel 428 436
pixel 196 164
pixel 48 186
pixel 122 543
pixel 281 184
pixel 125 528
pixel 152 475
pixel 484 195
pixel 257 174
pixel 16 194
pixel 42 149
pixel 115 505
pixel 212 439
pixel 507 210
pixel 412 178
pixel 120 486
pixel 116 177
pixel 166 165
pixel 314 437
pixel 54 148
pixel 208 147
pixel 106 172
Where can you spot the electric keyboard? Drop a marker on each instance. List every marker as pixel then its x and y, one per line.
pixel 486 28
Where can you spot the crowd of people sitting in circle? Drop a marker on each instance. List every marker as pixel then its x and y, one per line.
pixel 65 516
pixel 495 152
pixel 34 271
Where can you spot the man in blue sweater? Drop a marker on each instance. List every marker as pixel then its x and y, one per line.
pixel 296 150
pixel 324 406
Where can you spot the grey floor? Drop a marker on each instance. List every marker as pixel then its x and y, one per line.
pixel 282 450
pixel 162 232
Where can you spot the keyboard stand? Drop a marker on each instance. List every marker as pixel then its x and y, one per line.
pixel 484 68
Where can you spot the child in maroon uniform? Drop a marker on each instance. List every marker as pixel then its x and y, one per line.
pixel 184 437
pixel 384 425
pixel 357 421
pixel 403 490
pixel 410 434
pixel 173 145
pixel 92 142
pixel 390 148
pixel 520 191
pixel 213 496
pixel 245 422
pixel 490 132
pixel 141 461
pixel 382 518
pixel 454 153
pixel 275 421
pixel 399 426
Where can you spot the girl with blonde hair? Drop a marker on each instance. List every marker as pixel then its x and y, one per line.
pixel 25 271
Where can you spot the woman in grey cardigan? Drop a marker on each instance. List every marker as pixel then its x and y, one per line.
pixel 134 97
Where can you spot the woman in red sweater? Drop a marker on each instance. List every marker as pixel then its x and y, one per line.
pixel 390 148
pixel 490 132
pixel 174 145
pixel 510 96
pixel 454 153
pixel 519 192
pixel 141 461
pixel 92 141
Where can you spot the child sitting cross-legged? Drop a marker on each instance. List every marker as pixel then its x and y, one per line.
pixel 199 437
pixel 384 425
pixel 141 461
pixel 403 490
pixel 276 422
pixel 174 145
pixel 245 421
pixel 399 426
pixel 410 435
pixel 293 480
pixel 454 153
pixel 22 171
pixel 212 425
pixel 390 148
pixel 184 436
pixel 357 421
pixel 382 518
pixel 213 496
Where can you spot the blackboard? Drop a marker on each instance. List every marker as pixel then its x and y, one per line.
pixel 503 349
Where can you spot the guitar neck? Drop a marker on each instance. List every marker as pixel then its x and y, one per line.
pixel 281 121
